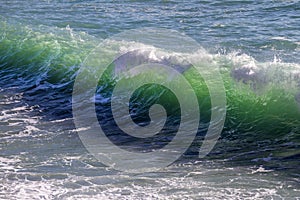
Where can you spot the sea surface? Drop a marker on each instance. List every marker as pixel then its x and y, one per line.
pixel 254 44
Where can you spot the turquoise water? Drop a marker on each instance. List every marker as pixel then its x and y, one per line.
pixel 256 47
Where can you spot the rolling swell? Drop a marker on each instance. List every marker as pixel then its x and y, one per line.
pixel 263 117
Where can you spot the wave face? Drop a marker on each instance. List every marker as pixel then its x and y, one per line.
pixel 263 99
pixel 38 141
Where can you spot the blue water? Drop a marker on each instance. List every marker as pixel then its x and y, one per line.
pixel 43 43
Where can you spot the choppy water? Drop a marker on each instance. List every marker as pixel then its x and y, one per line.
pixel 254 43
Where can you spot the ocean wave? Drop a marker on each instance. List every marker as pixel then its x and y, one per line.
pixel 263 99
